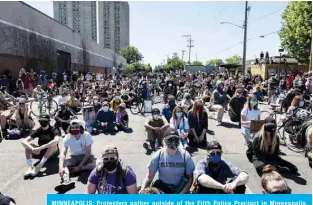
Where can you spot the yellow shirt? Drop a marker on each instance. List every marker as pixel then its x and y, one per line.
pixel 115 103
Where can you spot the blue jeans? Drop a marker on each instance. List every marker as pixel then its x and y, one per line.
pixel 247 134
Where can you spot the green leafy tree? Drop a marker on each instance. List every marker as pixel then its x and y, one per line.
pixel 197 63
pixel 235 59
pixel 174 63
pixel 148 68
pixel 130 68
pixel 296 30
pixel 214 62
pixel 131 54
pixel 139 67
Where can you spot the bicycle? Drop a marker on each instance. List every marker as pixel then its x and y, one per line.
pixel 44 105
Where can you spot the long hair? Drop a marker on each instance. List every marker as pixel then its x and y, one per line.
pixel 175 111
pixel 194 110
pixel 250 97
pixel 296 100
pixel 265 144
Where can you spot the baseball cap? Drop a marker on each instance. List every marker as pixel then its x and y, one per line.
pixel 123 105
pixel 269 124
pixel 155 111
pixel 109 149
pixel 214 145
pixel 44 117
pixel 171 132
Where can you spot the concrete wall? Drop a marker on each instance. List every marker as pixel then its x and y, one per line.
pixel 17 17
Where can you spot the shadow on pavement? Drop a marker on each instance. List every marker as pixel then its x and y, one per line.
pixel 83 177
pixel 229 125
pixel 51 168
pixel 210 132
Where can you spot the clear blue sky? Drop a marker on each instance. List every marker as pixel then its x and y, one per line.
pixel 156 28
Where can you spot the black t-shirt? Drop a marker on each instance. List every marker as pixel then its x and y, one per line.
pixel 45 136
pixel 64 115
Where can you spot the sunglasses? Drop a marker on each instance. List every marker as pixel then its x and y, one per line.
pixel 109 159
pixel 218 153
pixel 286 191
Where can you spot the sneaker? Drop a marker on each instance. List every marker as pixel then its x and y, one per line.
pixel 65 186
pixel 35 171
pixel 146 146
pixel 218 123
pixel 28 171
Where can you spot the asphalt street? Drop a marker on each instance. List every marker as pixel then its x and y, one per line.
pixel 34 191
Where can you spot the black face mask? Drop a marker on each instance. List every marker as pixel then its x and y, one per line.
pixel 110 166
pixel 173 143
pixel 43 123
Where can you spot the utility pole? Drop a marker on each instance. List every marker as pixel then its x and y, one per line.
pixel 196 56
pixel 189 45
pixel 182 55
pixel 245 24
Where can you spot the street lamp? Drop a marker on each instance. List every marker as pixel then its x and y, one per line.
pixel 280 51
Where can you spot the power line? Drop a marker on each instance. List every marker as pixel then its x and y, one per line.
pixel 262 17
pixel 261 36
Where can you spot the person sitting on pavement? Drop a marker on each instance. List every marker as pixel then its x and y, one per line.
pixel 48 140
pixel 167 110
pixel 169 89
pixel 105 119
pixel 265 148
pixel 74 104
pixel 23 117
pixel 89 116
pixel 63 118
pixel 122 118
pixel 96 103
pixel 187 103
pixel 79 142
pixel 272 182
pixel 219 99
pixel 174 166
pixel 236 105
pixel 198 124
pixel 111 175
pixel 155 128
pixel 212 174
pixel 248 113
pixel 258 93
pixel 180 123
pixel 18 93
pixel 116 101
pixel 4 97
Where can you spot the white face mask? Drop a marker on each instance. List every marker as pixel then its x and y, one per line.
pixel 170 85
pixel 155 117
pixel 105 108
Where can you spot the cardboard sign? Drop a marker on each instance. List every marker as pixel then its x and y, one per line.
pixel 256 125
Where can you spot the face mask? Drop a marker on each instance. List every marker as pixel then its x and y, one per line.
pixel 188 98
pixel 301 103
pixel 155 117
pixel 75 132
pixel 172 103
pixel 239 94
pixel 214 159
pixel 110 166
pixel 170 85
pixel 199 108
pixel 179 114
pixel 253 103
pixel 43 123
pixel 173 143
pixel 105 108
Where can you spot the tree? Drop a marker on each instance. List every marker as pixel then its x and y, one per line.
pixel 174 63
pixel 296 30
pixel 235 59
pixel 130 68
pixel 214 62
pixel 131 54
pixel 199 63
pixel 148 68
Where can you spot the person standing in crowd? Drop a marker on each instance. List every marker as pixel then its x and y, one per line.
pixel 265 149
pixel 47 148
pixel 236 104
pixel 167 110
pixel 111 175
pixel 273 84
pixel 198 124
pixel 212 173
pixel 248 113
pixel 155 128
pixel 174 166
pixel 272 182
pixel 219 100
pixel 79 142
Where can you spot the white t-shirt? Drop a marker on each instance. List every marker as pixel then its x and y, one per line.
pixel 65 77
pixel 77 147
pixel 250 115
